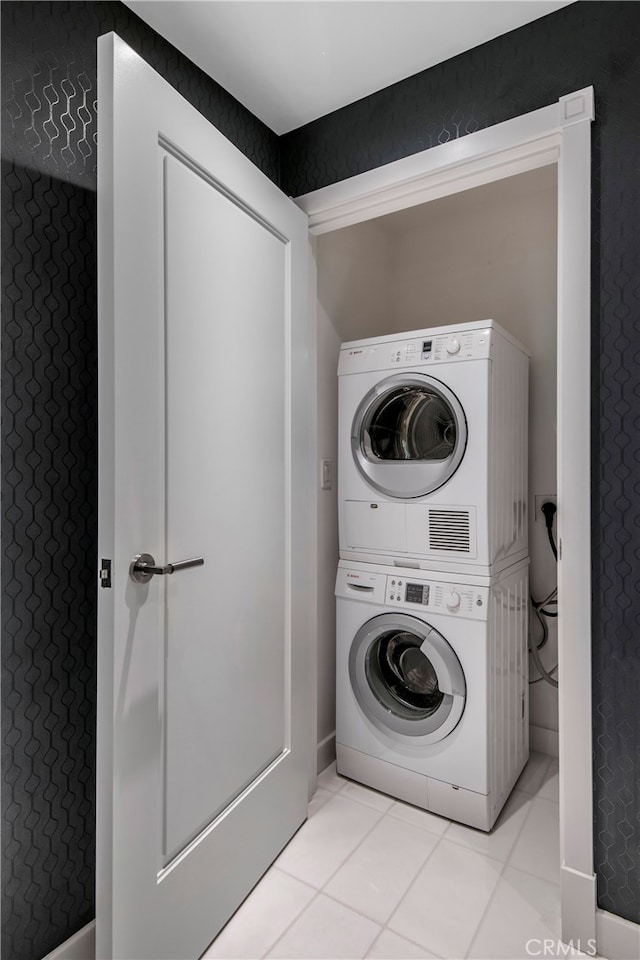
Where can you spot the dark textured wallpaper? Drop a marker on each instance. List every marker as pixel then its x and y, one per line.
pixel 586 43
pixel 48 355
pixel 49 452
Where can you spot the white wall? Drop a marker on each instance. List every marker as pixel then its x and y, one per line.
pixel 354 294
pixel 486 253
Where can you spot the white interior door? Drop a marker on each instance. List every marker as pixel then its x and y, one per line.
pixel 204 453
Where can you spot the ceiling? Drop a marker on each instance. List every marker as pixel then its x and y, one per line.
pixel 291 61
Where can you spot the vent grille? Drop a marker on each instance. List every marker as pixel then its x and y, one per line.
pixel 450 531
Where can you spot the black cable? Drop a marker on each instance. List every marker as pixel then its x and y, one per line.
pixel 549 510
pixel 540 679
pixel 535 653
pixel 539 608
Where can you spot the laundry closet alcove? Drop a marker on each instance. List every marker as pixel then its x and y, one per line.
pixel 529 153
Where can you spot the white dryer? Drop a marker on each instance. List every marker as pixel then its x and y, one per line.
pixel 432 448
pixel 432 686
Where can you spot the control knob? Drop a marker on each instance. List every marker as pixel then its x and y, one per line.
pixel 452 600
pixel 453 346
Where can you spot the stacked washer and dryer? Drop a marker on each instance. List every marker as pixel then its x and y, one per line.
pixel 432 584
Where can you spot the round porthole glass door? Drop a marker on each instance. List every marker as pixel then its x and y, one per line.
pixel 409 436
pixel 406 677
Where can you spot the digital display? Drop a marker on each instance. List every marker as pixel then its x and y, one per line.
pixel 426 346
pixel 417 593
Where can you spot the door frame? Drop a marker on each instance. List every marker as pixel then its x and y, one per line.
pixel 559 134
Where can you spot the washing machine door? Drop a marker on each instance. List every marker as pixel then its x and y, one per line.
pixel 406 677
pixel 409 435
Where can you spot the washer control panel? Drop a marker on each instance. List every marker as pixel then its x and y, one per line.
pixel 456 599
pixel 465 345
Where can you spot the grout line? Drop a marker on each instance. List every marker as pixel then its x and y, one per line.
pixel 507 863
pixel 531 797
pixel 345 858
pixel 382 923
pixel 479 853
pixel 526 820
pixel 534 793
pixel 460 843
pixel 289 925
pixel 318 890
pixel 297 915
pixel 555 803
pixel 486 910
pixel 418 825
pixel 358 845
pixel 376 940
pixel 363 803
pixel 415 943
pixel 397 906
pixel 294 877
pixel 536 876
pixel 322 890
pixel 347 906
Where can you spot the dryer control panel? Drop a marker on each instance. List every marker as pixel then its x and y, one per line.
pixel 422 348
pixel 455 599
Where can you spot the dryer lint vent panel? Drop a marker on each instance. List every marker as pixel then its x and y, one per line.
pixel 450 531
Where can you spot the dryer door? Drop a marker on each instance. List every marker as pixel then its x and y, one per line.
pixel 409 435
pixel 406 677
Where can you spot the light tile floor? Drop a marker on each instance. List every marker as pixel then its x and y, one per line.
pixel 368 876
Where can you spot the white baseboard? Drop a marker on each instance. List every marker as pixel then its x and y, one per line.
pixel 326 751
pixel 543 740
pixel 617 939
pixel 81 946
pixel 578 908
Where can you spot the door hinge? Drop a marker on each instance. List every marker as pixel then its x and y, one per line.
pixel 105 573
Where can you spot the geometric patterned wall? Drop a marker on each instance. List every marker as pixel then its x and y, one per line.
pixel 48 379
pixel 586 43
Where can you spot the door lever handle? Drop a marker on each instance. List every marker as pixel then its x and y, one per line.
pixel 143 567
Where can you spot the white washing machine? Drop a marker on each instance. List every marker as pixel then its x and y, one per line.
pixel 433 448
pixel 432 686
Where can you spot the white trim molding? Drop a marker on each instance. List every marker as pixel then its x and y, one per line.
pixel 326 751
pixel 576 107
pixel 515 146
pixel 558 134
pixel 574 518
pixel 617 939
pixel 577 906
pixel 81 946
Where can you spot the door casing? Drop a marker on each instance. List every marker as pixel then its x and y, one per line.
pixel 558 135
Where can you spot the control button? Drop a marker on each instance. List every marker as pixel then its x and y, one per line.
pixel 452 600
pixel 453 346
pixel 393 583
pixel 392 597
pixel 399 583
pixel 479 602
